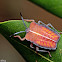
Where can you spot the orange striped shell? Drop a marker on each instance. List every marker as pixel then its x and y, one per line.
pixel 42 36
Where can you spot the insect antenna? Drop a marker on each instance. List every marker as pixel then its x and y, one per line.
pixel 23 20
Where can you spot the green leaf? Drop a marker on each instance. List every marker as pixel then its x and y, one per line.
pixel 53 6
pixel 9 27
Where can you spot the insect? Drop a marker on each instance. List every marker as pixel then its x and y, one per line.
pixel 41 35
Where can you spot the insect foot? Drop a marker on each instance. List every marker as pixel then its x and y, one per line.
pixel 49 54
pixel 31 46
pixel 11 35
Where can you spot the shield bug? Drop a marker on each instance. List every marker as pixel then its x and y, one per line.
pixel 42 35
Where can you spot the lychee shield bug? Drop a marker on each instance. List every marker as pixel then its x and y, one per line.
pixel 41 35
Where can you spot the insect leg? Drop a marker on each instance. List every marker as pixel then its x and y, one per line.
pixel 53 27
pixel 29 20
pixel 22 39
pixel 37 49
pixel 31 45
pixel 50 26
pixel 41 22
pixel 17 33
pixel 60 32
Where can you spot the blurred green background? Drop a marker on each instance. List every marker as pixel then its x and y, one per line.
pixel 53 6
